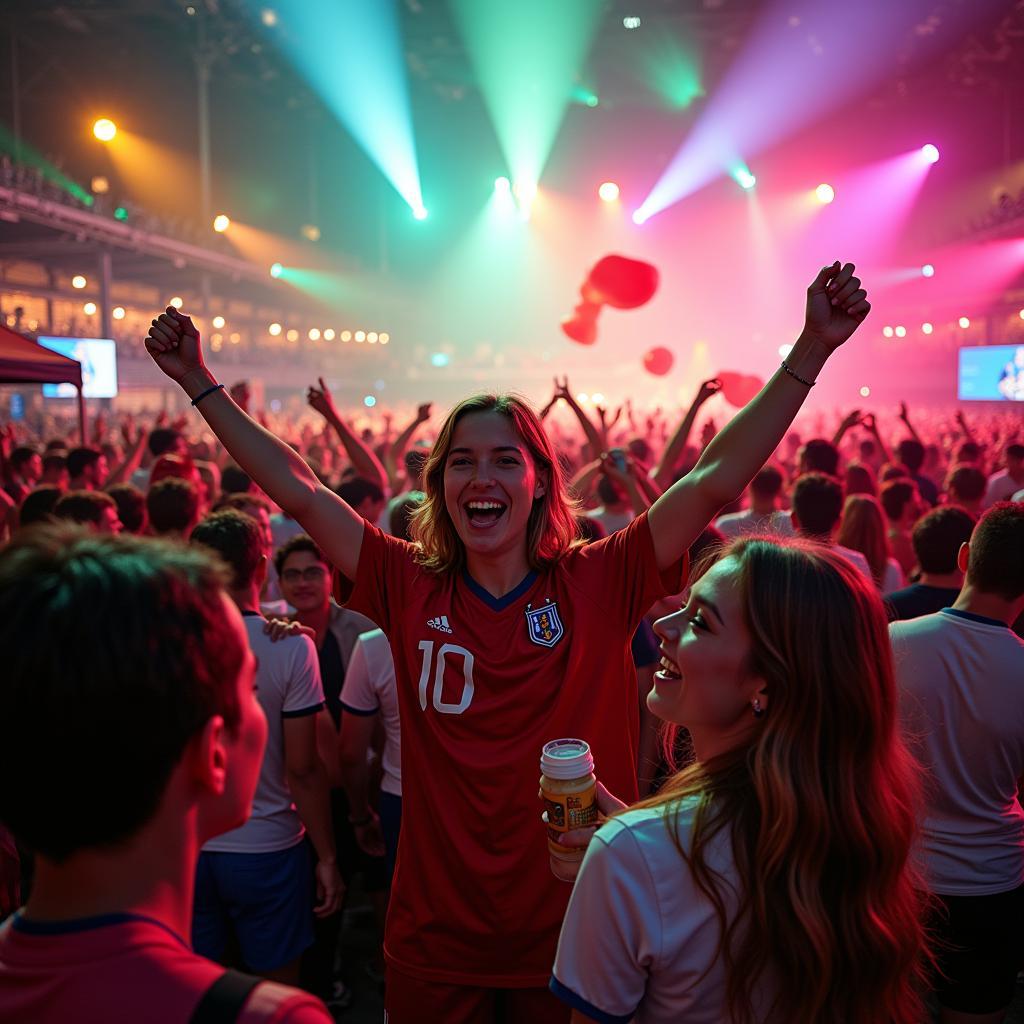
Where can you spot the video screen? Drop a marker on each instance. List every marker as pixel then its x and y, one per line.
pixel 993 373
pixel 98 357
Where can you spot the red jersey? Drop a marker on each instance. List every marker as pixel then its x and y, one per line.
pixel 121 967
pixel 483 683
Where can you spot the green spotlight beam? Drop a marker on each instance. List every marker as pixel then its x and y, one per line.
pixel 24 153
pixel 671 69
pixel 527 56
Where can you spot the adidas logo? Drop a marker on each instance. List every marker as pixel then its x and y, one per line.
pixel 441 623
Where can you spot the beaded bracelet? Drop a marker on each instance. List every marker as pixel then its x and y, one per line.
pixel 796 376
pixel 209 391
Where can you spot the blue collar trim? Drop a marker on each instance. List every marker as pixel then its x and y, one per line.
pixel 20 923
pixel 972 617
pixel 499 604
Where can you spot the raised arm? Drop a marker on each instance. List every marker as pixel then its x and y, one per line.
pixel 133 446
pixel 836 305
pixel 173 342
pixel 363 460
pixel 871 425
pixel 591 432
pixel 665 468
pixel 399 445
pixel 905 419
pixel 851 419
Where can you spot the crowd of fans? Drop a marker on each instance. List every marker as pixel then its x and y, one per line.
pixel 829 830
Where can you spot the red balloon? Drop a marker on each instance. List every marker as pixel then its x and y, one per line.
pixel 739 388
pixel 658 361
pixel 614 281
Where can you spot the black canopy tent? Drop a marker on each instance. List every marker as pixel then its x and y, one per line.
pixel 24 362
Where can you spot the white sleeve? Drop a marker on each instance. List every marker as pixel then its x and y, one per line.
pixel 611 936
pixel 357 692
pixel 304 692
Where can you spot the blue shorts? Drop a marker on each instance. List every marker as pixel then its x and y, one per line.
pixel 266 899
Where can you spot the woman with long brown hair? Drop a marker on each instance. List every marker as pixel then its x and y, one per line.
pixel 769 880
pixel 862 528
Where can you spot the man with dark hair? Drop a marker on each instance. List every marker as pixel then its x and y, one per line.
pixel 305 577
pixel 258 507
pixel 38 505
pixel 87 469
pixel 172 505
pixel 910 453
pixel 55 470
pixel 364 496
pixel 24 469
pixel 938 537
pixel 819 456
pixel 817 501
pixel 765 514
pixel 127 665
pixel 1005 484
pixel 965 486
pixel 255 882
pixel 94 509
pixel 234 480
pixel 959 673
pixel 131 507
pixel 902 504
pixel 161 441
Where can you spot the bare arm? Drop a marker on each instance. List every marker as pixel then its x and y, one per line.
pixel 871 424
pixel 665 469
pixel 742 447
pixel 356 734
pixel 591 432
pixel 363 460
pixel 399 445
pixel 905 417
pixel 307 781
pixel 133 455
pixel 850 420
pixel 173 342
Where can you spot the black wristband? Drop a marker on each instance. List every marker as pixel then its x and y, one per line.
pixel 796 376
pixel 209 391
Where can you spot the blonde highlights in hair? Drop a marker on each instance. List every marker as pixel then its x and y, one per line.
pixel 551 530
pixel 820 806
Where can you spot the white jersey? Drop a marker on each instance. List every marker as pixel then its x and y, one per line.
pixel 961 681
pixel 287 686
pixel 369 689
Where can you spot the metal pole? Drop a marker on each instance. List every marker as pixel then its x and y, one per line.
pixel 203 62
pixel 15 94
pixel 106 276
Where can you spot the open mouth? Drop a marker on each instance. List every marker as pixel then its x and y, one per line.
pixel 483 513
pixel 668 670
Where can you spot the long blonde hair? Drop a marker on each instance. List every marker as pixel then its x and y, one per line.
pixel 820 806
pixel 863 529
pixel 551 529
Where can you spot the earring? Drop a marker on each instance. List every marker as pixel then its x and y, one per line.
pixel 755 706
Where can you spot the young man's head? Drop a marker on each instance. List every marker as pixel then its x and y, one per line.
pixel 131 507
pixel 254 505
pixel 166 441
pixel 819 456
pixel 765 488
pixel 87 468
pixel 236 539
pixel 172 505
pixel 969 452
pixel 55 470
pixel 234 480
pixel 27 464
pixel 1015 462
pixel 415 459
pixel 304 574
pixel 93 509
pixel 994 558
pixel 611 494
pixel 938 536
pixel 817 505
pixel 911 454
pixel 966 485
pixel 125 664
pixel 364 496
pixel 902 503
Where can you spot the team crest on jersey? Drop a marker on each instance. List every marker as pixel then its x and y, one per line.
pixel 544 625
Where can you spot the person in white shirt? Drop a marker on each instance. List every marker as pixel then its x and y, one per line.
pixel 1005 484
pixel 256 881
pixel 719 898
pixel 960 672
pixel 817 505
pixel 765 514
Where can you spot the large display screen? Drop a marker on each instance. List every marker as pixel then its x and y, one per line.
pixel 98 357
pixel 991 373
